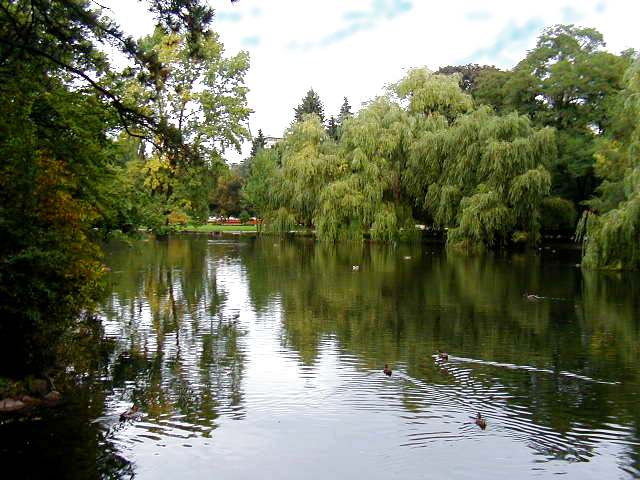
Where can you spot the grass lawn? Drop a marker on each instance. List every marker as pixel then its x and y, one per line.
pixel 218 228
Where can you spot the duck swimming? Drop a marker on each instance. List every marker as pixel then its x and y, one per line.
pixel 387 370
pixel 130 414
pixel 532 297
pixel 481 422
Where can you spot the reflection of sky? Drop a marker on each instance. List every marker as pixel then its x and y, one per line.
pixel 337 418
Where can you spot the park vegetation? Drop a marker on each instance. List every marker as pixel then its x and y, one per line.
pixel 88 149
pixel 492 157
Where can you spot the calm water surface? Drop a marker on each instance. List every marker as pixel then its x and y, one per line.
pixel 263 359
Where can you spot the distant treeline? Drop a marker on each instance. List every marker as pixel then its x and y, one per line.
pixel 493 156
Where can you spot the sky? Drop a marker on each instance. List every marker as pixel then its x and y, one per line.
pixel 354 48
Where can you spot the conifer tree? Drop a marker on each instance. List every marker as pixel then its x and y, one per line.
pixel 345 111
pixel 311 103
pixel 332 128
pixel 257 143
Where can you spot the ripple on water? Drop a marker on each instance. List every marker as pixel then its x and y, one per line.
pixel 258 338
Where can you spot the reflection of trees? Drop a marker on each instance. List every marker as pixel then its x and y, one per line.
pixel 65 442
pixel 401 310
pixel 75 448
pixel 179 354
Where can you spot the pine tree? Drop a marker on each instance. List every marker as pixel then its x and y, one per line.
pixel 332 128
pixel 257 143
pixel 345 111
pixel 311 103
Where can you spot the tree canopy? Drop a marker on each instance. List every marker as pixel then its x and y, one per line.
pixel 611 231
pixel 565 82
pixel 310 103
pixel 72 135
pixel 419 149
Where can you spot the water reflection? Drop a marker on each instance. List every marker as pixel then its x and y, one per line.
pixel 264 358
pixel 559 374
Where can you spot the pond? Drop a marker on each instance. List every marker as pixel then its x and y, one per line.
pixel 264 358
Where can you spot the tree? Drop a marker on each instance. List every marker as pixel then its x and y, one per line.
pixel 207 120
pixel 332 128
pixel 369 194
pixel 311 104
pixel 468 74
pixel 484 178
pixel 421 149
pixel 374 192
pixel 226 198
pixel 257 143
pixel 61 105
pixel 345 111
pixel 611 234
pixel 286 182
pixel 478 174
pixel 567 82
pixel 260 189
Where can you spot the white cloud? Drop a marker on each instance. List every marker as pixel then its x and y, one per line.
pixel 355 48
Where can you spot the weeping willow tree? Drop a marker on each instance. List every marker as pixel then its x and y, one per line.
pixel 374 193
pixel 421 147
pixel 368 194
pixel 480 175
pixel 285 184
pixel 611 230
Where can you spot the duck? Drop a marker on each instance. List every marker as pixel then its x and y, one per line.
pixel 387 371
pixel 129 414
pixel 443 355
pixel 481 422
pixel 531 297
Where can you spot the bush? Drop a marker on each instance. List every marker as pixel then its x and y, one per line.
pixel 557 214
pixel 245 217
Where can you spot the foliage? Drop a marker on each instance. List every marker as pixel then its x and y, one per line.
pixel 61 106
pixel 567 82
pixel 468 74
pixel 244 216
pixel 557 214
pixel 226 199
pixel 259 190
pixel 308 162
pixel 257 143
pixel 478 174
pixel 345 111
pixel 612 235
pixel 332 128
pixel 202 101
pixel 310 104
pixel 420 149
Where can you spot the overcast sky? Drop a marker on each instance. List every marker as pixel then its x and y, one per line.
pixel 354 48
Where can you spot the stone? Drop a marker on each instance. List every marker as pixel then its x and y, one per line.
pixel 29 400
pixel 53 396
pixel 10 405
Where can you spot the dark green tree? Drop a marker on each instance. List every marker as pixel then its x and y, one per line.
pixel 226 198
pixel 469 74
pixel 567 82
pixel 311 103
pixel 345 111
pixel 611 230
pixel 332 128
pixel 257 143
